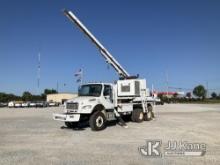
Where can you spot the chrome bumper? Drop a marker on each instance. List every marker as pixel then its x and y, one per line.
pixel 66 117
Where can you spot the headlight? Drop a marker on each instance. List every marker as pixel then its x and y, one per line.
pixel 87 107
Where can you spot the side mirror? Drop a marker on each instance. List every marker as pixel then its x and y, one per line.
pixel 107 97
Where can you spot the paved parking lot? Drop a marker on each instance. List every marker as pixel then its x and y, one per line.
pixel 30 136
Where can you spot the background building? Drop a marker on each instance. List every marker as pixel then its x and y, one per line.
pixel 171 94
pixel 60 97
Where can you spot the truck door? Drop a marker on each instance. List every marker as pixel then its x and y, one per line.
pixel 108 97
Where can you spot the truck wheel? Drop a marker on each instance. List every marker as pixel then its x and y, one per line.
pixel 97 121
pixel 71 124
pixel 149 115
pixel 137 115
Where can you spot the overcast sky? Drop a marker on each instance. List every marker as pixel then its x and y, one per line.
pixel 147 37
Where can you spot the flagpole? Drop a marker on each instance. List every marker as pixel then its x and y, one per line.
pixel 38 74
pixel 81 82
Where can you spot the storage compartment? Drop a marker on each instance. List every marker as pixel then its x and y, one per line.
pixel 125 108
pixel 134 87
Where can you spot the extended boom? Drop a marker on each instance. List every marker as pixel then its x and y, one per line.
pixel 109 58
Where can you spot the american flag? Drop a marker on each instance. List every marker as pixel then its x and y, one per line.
pixel 79 75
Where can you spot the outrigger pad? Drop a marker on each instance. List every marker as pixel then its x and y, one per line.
pixel 121 122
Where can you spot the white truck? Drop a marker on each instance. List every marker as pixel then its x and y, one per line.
pixel 99 103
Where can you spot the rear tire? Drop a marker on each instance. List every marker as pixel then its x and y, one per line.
pixel 137 115
pixel 97 121
pixel 149 115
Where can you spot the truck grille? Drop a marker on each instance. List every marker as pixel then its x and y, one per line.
pixel 72 106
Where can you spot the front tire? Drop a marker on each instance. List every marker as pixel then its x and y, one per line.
pixel 97 121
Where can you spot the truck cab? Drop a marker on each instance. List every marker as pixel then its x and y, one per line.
pixel 92 98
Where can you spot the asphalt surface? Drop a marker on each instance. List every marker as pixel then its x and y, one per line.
pixel 30 136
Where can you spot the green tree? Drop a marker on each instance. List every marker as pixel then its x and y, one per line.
pixel 160 95
pixel 188 94
pixel 199 91
pixel 175 95
pixel 46 92
pixel 49 91
pixel 27 96
pixel 37 98
pixel 214 95
pixel 4 97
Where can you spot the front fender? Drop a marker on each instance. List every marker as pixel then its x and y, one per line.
pixel 98 107
pixel 90 108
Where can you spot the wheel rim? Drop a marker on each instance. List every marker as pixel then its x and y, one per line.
pixel 99 121
pixel 141 116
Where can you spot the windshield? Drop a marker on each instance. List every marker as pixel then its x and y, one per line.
pixel 90 90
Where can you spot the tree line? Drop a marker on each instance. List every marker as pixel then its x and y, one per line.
pixel 199 92
pixel 26 96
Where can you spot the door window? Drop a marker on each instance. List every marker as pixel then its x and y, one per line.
pixel 107 90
